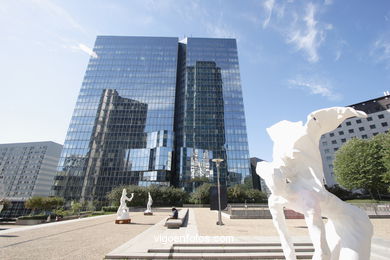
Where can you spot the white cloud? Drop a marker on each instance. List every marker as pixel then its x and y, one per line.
pixel 338 55
pixel 87 50
pixel 299 24
pixel 268 6
pixel 58 12
pixel 381 50
pixel 328 2
pixel 315 87
pixel 219 31
pixel 81 47
pixel 339 49
pixel 309 38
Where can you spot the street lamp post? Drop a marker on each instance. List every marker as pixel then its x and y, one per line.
pixel 218 161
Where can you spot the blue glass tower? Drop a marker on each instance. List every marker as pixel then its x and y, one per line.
pixel 210 120
pixel 152 110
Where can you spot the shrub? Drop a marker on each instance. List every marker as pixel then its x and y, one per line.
pixel 43 217
pixel 201 195
pixel 110 209
pixel 162 196
pixel 240 193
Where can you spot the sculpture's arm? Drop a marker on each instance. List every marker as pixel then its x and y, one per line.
pixel 129 199
pixel 277 212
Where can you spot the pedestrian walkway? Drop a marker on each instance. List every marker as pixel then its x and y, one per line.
pixel 238 238
pixel 88 238
pixel 96 237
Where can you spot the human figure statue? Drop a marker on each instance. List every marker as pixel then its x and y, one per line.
pixel 148 210
pixel 295 179
pixel 123 210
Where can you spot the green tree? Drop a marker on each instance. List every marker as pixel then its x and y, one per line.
pixel 35 203
pixel 76 207
pixel 255 196
pixel 4 204
pixel 248 182
pixel 51 203
pixel 237 193
pixel 240 193
pixel 358 165
pixel 384 140
pixel 202 194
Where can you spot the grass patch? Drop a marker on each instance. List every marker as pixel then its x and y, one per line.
pixel 367 201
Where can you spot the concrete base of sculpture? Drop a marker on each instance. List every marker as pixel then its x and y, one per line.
pixel 148 213
pixel 123 221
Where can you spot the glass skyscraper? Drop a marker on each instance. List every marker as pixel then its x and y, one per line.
pixel 153 110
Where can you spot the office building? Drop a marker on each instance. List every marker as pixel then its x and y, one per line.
pixel 378 121
pixel 27 170
pixel 258 182
pixel 153 110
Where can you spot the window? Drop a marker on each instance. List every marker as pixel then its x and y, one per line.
pixel 384 124
pixel 372 126
pixel 361 129
pixel 364 136
pixel 381 116
pixel 341 132
pixel 334 142
pixel 369 118
pixel 331 134
pixel 358 121
pixel 325 143
pixel 351 131
pixel 343 140
pixel 348 123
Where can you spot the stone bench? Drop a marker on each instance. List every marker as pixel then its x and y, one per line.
pixel 177 223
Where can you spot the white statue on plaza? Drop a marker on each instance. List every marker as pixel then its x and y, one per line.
pixel 295 179
pixel 123 210
pixel 148 210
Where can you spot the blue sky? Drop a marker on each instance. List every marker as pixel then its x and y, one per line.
pixel 295 56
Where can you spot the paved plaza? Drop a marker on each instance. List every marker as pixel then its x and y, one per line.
pixel 95 237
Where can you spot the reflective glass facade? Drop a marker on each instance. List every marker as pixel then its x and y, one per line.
pixel 152 110
pixel 121 130
pixel 210 119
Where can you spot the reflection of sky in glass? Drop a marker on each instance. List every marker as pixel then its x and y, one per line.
pixel 139 76
pixel 121 130
pixel 223 52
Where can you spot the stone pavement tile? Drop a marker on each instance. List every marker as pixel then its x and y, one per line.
pixel 158 236
pixel 88 239
pixel 381 227
pixel 207 219
pixel 17 228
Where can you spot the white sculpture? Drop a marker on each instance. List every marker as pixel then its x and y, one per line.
pixel 295 179
pixel 148 210
pixel 123 210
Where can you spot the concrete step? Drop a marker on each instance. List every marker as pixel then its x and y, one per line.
pixel 265 255
pixel 238 244
pixel 226 249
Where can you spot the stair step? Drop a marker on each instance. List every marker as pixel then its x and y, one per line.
pixel 265 255
pixel 246 244
pixel 226 249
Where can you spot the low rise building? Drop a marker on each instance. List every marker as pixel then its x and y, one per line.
pixel 378 121
pixel 26 170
